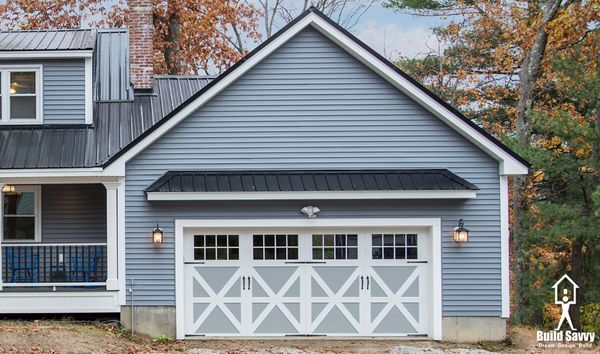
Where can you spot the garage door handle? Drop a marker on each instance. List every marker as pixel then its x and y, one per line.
pixel 367 282
pixel 243 283
pixel 361 282
pixel 416 261
pixel 248 283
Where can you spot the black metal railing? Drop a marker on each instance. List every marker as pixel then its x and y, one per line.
pixel 53 264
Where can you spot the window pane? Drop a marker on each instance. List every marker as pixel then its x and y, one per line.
pixel 293 253
pixel 258 240
pixel 388 253
pixel 411 240
pixel 199 241
pixel 222 253
pixel 411 253
pixel 352 240
pixel 22 107
pixel 328 253
pixel 376 240
pixel 317 240
pixel 400 253
pixel 269 253
pixel 352 253
pixel 269 240
pixel 340 253
pixel 258 253
pixel 317 253
pixel 22 82
pixel 328 240
pixel 293 240
pixel 400 240
pixel 376 253
pixel 19 228
pixel 222 240
pixel 234 254
pixel 388 240
pixel 19 203
pixel 234 241
pixel 199 254
pixel 280 253
pixel 210 240
pixel 210 254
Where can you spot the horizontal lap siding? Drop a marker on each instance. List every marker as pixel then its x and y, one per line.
pixel 73 213
pixel 311 106
pixel 64 91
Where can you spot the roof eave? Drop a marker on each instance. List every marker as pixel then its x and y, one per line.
pixel 47 54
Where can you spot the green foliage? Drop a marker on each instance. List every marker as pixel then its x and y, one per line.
pixel 590 319
pixel 418 4
pixel 162 339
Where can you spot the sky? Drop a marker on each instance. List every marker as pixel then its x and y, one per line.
pixel 394 33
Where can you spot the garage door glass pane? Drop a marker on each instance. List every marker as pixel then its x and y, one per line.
pixel 334 246
pixel 216 247
pixel 395 246
pixel 275 247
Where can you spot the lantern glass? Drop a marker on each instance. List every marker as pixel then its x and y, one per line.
pixel 461 233
pixel 157 235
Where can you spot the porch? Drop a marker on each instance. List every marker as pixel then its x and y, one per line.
pixel 59 247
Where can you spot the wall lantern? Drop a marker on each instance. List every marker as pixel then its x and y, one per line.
pixel 8 189
pixel 461 233
pixel 157 235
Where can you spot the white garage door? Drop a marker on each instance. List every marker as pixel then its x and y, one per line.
pixel 325 282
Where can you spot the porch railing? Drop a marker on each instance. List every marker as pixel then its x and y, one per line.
pixel 56 264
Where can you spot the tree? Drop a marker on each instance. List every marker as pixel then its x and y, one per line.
pixel 509 65
pixel 345 12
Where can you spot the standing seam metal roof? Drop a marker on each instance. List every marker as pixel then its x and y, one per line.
pixel 69 39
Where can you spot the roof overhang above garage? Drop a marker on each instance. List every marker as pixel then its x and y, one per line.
pixel 310 185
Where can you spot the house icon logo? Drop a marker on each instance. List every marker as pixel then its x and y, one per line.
pixel 565 295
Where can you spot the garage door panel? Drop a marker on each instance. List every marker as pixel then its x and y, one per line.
pixel 322 283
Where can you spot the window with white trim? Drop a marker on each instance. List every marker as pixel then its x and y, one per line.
pixel 394 246
pixel 271 247
pixel 335 246
pixel 216 247
pixel 20 94
pixel 21 218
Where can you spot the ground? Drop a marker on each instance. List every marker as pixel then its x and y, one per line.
pixel 69 336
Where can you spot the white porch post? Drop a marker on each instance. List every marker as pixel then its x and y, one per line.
pixel 112 235
pixel 1 231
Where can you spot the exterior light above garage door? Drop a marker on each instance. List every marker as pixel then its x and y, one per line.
pixel 8 189
pixel 461 233
pixel 310 211
pixel 157 235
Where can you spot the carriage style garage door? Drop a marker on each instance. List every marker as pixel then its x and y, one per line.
pixel 281 282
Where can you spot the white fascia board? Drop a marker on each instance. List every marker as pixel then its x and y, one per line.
pixel 508 164
pixel 47 54
pixel 504 246
pixel 88 99
pixel 336 195
pixel 59 172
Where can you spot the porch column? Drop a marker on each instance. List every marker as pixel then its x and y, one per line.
pixel 112 235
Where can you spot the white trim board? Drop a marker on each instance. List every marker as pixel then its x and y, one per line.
pixel 508 164
pixel 433 224
pixel 46 54
pixel 59 302
pixel 425 194
pixel 504 246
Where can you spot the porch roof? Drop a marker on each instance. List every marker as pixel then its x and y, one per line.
pixel 309 181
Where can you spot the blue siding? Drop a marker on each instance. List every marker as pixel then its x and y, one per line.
pixel 73 213
pixel 310 105
pixel 63 89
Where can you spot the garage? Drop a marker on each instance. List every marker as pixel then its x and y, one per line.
pixel 310 278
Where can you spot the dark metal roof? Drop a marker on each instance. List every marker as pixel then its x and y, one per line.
pixel 116 124
pixel 307 180
pixel 70 39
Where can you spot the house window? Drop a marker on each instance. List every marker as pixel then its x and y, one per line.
pixel 21 214
pixel 216 247
pixel 270 247
pixel 394 246
pixel 335 246
pixel 20 95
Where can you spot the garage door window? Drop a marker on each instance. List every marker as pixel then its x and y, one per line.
pixel 335 246
pixel 271 247
pixel 216 247
pixel 394 246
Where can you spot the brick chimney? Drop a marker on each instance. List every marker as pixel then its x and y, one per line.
pixel 141 30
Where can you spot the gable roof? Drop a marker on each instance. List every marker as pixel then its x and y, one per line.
pixel 511 163
pixel 47 40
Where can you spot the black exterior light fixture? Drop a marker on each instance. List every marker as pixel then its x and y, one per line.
pixel 157 235
pixel 461 233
